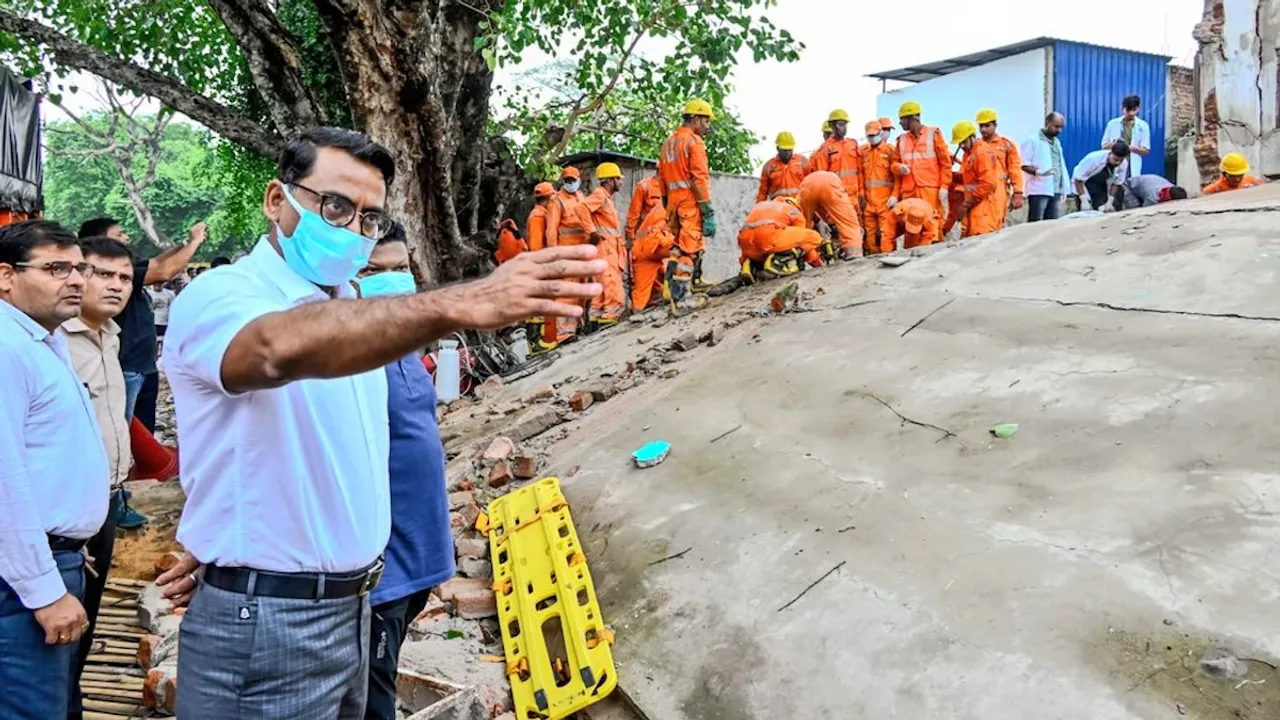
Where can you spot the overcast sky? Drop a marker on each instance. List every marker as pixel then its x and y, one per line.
pixel 844 42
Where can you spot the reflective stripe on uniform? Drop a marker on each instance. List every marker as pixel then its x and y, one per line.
pixel 784 191
pixel 879 183
pixel 848 173
pixel 679 185
pixel 573 231
pixel 761 223
pixel 606 230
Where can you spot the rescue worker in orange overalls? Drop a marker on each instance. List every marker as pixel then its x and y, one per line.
pixel 822 195
pixel 775 238
pixel 1010 191
pixel 1235 175
pixel 839 155
pixel 919 221
pixel 510 244
pixel 955 200
pixel 782 174
pixel 535 227
pixel 923 150
pixel 685 179
pixel 568 223
pixel 648 193
pixel 883 182
pixel 612 303
pixel 650 250
pixel 981 170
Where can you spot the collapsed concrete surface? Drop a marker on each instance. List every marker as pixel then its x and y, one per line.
pixel 837 533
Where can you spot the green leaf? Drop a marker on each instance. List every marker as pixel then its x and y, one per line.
pixel 454 634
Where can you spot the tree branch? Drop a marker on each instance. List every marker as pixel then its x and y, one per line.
pixel 275 62
pixel 73 53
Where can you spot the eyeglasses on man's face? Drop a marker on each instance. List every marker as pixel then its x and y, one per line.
pixel 60 269
pixel 339 212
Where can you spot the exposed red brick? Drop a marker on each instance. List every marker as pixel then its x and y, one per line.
pixel 580 400
pixel 490 387
pixel 545 393
pixel 526 467
pixel 168 561
pixel 461 498
pixel 469 513
pixel 146 650
pixel 500 475
pixel 471 545
pixel 433 609
pixel 466 484
pixel 499 449
pixel 471 598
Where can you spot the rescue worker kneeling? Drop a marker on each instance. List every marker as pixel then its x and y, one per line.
pixel 775 238
pixel 822 195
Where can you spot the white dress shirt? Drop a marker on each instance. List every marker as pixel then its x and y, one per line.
pixel 54 476
pixel 1141 138
pixel 1090 165
pixel 1038 153
pixel 292 479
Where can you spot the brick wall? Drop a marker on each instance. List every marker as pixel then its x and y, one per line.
pixel 1182 101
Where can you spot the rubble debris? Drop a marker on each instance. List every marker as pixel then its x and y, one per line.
pixel 152 607
pixel 460 498
pixel 489 388
pixel 786 298
pixel 433 609
pixel 602 389
pixel 471 545
pixel 894 261
pixel 475 568
pixel 651 453
pixel 525 467
pixel 500 475
pixel 533 423
pixel 685 341
pixel 580 400
pixel 546 393
pixel 712 337
pixel 168 561
pixel 1222 663
pixel 471 598
pixel 499 449
pixel 573 471
pixel 669 373
pixel 160 688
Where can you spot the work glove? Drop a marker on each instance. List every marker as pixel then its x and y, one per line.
pixel 893 202
pixel 708 219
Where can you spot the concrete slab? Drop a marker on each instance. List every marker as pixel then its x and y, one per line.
pixel 1075 570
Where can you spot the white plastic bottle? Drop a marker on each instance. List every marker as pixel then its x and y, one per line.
pixel 448 372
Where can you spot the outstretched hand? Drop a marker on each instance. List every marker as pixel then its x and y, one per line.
pixel 532 283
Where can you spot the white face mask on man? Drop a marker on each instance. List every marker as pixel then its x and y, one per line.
pixel 572 185
pixel 875 140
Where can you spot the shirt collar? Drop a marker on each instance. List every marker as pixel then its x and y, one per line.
pixel 76 325
pixel 23 321
pixel 274 270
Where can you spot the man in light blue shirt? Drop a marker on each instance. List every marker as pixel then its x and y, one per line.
pixel 54 475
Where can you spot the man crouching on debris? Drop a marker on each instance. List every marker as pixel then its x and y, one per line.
pixel 281 403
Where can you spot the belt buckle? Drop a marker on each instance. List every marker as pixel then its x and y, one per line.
pixel 373 577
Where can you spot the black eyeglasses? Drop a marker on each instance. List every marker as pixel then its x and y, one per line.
pixel 60 269
pixel 339 212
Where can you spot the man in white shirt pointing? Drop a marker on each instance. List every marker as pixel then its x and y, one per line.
pixel 281 405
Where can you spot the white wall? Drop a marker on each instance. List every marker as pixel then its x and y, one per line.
pixel 1014 87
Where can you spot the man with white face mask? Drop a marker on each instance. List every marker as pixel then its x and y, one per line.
pixel 280 397
pixel 882 181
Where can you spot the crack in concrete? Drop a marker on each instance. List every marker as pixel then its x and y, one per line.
pixel 1168 581
pixel 1155 311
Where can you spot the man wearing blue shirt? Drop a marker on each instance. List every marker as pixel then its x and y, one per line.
pixel 54 475
pixel 419 555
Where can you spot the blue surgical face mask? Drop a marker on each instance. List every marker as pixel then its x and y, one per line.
pixel 392 282
pixel 572 185
pixel 875 140
pixel 324 254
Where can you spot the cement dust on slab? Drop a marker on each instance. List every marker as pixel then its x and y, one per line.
pixel 1166 667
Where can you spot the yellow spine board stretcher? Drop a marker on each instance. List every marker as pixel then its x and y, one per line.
pixel 559 658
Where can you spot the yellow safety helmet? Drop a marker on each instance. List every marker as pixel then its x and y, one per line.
pixel 699 108
pixel 986 115
pixel 1234 164
pixel 791 200
pixel 607 170
pixel 838 115
pixel 826 126
pixel 785 141
pixel 963 131
pixel 908 109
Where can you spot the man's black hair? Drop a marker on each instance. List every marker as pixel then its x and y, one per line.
pixel 1133 102
pixel 97 226
pixel 220 261
pixel 105 247
pixel 1120 149
pixel 299 156
pixel 394 235
pixel 1177 193
pixel 19 239
pixel 1055 114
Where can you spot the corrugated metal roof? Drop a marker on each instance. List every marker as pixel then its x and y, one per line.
pixel 599 156
pixel 928 71
pixel 1089 85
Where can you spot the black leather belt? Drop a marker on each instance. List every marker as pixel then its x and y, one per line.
pixel 298 586
pixel 59 543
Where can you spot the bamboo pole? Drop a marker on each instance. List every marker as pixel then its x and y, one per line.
pixel 112 707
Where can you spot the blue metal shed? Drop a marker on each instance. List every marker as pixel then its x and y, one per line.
pixel 1025 80
pixel 1090 82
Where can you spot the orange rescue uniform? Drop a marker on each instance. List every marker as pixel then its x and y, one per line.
pixel 842 158
pixel 774 226
pixel 535 228
pixel 823 195
pixel 981 190
pixel 509 244
pixel 929 234
pixel 685 179
pixel 568 223
pixel 1011 180
pixel 881 181
pixel 611 304
pixel 648 193
pixel 1220 185
pixel 779 180
pixel 929 160
pixel 649 252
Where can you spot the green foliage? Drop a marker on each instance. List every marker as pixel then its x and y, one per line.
pixel 80 186
pixel 241 175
